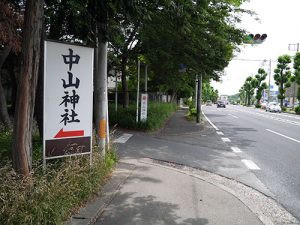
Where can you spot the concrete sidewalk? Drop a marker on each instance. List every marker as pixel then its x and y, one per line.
pixel 150 192
pixel 153 192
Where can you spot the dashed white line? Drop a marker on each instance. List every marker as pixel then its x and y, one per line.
pixel 250 164
pixel 220 133
pixel 282 135
pixel 268 116
pixel 233 116
pixel 236 150
pixel 123 139
pixel 214 126
pixel 226 139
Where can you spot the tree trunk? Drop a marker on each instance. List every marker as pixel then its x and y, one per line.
pixel 4 116
pixel 281 91
pixel 22 138
pixel 39 109
pixel 124 83
pixel 174 94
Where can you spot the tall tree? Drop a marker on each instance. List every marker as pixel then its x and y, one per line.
pixel 296 77
pixel 23 120
pixel 10 40
pixel 243 96
pixel 259 84
pixel 249 89
pixel 282 76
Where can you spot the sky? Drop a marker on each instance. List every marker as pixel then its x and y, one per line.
pixel 280 21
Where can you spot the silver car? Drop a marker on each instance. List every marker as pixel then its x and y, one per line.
pixel 273 107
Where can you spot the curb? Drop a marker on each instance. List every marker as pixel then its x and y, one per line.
pixel 93 210
pixel 264 207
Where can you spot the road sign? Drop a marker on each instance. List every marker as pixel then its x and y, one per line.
pixel 144 107
pixel 68 100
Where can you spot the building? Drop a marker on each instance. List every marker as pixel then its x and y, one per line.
pixel 291 94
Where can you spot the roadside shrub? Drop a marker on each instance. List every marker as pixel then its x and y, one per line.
pixel 158 113
pixel 257 106
pixel 51 197
pixel 297 110
pixel 5 145
pixel 192 113
pixel 283 109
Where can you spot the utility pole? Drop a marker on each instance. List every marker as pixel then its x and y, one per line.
pixel 199 90
pixel 138 92
pixel 292 48
pixel 270 73
pixel 116 91
pixel 294 91
pixel 196 92
pixel 101 92
pixel 146 78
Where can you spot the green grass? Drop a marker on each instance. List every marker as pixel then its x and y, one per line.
pixel 158 113
pixel 5 146
pixel 50 197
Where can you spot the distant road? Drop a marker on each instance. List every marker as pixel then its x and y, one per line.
pixel 270 145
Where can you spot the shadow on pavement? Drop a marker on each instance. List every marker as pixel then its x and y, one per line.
pixel 128 210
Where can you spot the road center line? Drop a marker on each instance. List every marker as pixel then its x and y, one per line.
pixel 250 164
pixel 282 135
pixel 226 139
pixel 210 121
pixel 233 116
pixel 236 150
pixel 220 133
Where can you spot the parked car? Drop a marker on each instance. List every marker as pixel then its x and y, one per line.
pixel 221 104
pixel 209 103
pixel 273 107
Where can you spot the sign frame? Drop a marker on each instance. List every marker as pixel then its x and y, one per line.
pixel 74 130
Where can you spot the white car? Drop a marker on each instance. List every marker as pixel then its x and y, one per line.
pixel 273 107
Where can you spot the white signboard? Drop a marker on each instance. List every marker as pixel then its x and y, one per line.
pixel 144 107
pixel 68 99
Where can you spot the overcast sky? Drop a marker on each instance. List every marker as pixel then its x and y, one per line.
pixel 279 19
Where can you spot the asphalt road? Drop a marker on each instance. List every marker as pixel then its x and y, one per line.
pixel 270 142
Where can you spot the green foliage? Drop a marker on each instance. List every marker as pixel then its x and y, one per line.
pixel 297 110
pixel 257 106
pixel 248 89
pixel 208 92
pixel 5 145
pixel 259 84
pixel 282 76
pixel 158 113
pixel 52 197
pixel 296 77
pixel 192 113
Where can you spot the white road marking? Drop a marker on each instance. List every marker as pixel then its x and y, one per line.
pixel 236 150
pixel 123 139
pixel 220 133
pixel 210 121
pixel 250 164
pixel 226 139
pixel 282 135
pixel 267 115
pixel 233 116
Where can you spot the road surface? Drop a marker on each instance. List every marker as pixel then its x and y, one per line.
pixel 268 144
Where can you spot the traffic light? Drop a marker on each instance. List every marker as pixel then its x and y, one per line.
pixel 255 39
